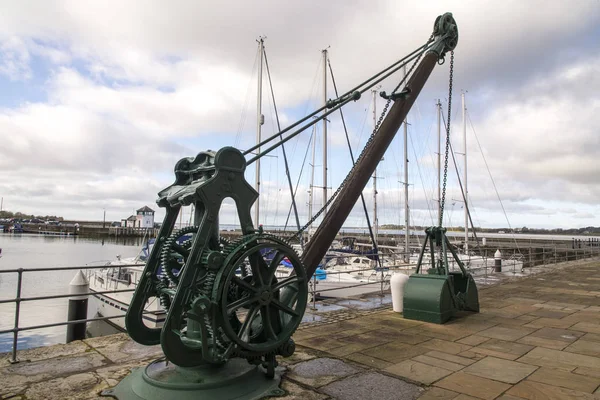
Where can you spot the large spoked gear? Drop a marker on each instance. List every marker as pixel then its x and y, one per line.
pixel 259 312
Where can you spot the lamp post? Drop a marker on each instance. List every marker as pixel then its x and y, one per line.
pixel 104 218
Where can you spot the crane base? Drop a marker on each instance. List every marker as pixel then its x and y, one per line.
pixel 234 380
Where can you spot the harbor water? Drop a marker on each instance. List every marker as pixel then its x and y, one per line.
pixel 37 251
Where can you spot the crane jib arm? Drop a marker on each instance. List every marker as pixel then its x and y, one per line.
pixel 446 38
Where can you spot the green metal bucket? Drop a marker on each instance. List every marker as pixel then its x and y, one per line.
pixel 437 296
pixel 428 298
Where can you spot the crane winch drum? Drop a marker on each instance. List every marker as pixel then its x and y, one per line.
pixel 436 295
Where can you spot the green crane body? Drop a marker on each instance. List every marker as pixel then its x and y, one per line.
pixel 225 302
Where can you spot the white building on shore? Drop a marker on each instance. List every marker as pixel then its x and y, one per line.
pixel 144 218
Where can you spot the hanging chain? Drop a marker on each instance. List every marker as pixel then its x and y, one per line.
pixel 375 129
pixel 443 200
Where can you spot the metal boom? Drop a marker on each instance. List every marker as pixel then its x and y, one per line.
pixel 365 166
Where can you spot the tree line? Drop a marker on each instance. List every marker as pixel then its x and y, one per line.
pixel 20 215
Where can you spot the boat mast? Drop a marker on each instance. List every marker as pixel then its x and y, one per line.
pixel 375 220
pixel 259 121
pixel 439 158
pixel 406 214
pixel 325 132
pixel 312 181
pixel 466 194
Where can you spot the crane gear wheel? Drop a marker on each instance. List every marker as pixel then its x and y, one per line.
pixel 259 313
pixel 174 254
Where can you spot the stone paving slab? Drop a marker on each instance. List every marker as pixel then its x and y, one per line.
pixel 436 393
pixel 564 335
pixel 586 347
pixel 500 370
pixel 25 374
pixel 372 386
pixel 418 372
pixel 395 352
pixel 78 386
pixel 123 349
pixel 297 392
pixel 502 349
pixel 553 358
pixel 450 358
pixel 586 327
pixel 473 340
pixel 565 379
pixel 321 371
pixel 366 360
pixel 474 386
pixel 437 362
pixel 549 322
pixel 508 333
pixel 541 342
pixel 445 346
pixel 591 336
pixel 535 390
pixel 587 371
pixel 45 353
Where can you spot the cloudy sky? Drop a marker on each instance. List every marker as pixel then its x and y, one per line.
pixel 98 101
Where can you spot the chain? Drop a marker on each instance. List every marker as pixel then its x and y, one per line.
pixel 443 200
pixel 375 129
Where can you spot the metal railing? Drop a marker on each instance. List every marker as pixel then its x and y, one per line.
pixel 18 300
pixel 381 276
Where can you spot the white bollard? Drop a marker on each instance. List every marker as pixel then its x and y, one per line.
pixel 498 261
pixel 397 282
pixel 78 302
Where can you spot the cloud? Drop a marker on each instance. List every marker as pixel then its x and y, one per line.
pixel 14 59
pixel 132 87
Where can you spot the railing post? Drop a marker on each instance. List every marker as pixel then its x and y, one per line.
pixel 314 294
pixel 13 359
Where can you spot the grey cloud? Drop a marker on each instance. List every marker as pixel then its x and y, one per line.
pixel 524 63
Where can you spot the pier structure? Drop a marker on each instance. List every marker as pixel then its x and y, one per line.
pixel 535 337
pixel 530 251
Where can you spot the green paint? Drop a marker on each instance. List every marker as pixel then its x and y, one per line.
pixel 224 299
pixel 235 380
pixel 438 294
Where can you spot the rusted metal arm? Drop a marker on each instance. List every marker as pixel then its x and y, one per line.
pixel 317 247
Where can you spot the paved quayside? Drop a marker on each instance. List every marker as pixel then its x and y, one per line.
pixel 536 337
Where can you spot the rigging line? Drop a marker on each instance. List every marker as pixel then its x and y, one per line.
pixel 492 179
pixel 364 151
pixel 362 127
pixel 287 169
pixel 466 205
pixel 426 148
pixel 362 197
pixel 310 95
pixel 412 145
pixel 245 106
pixel 342 101
pixel 300 175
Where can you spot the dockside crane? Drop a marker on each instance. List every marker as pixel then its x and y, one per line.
pixel 229 314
